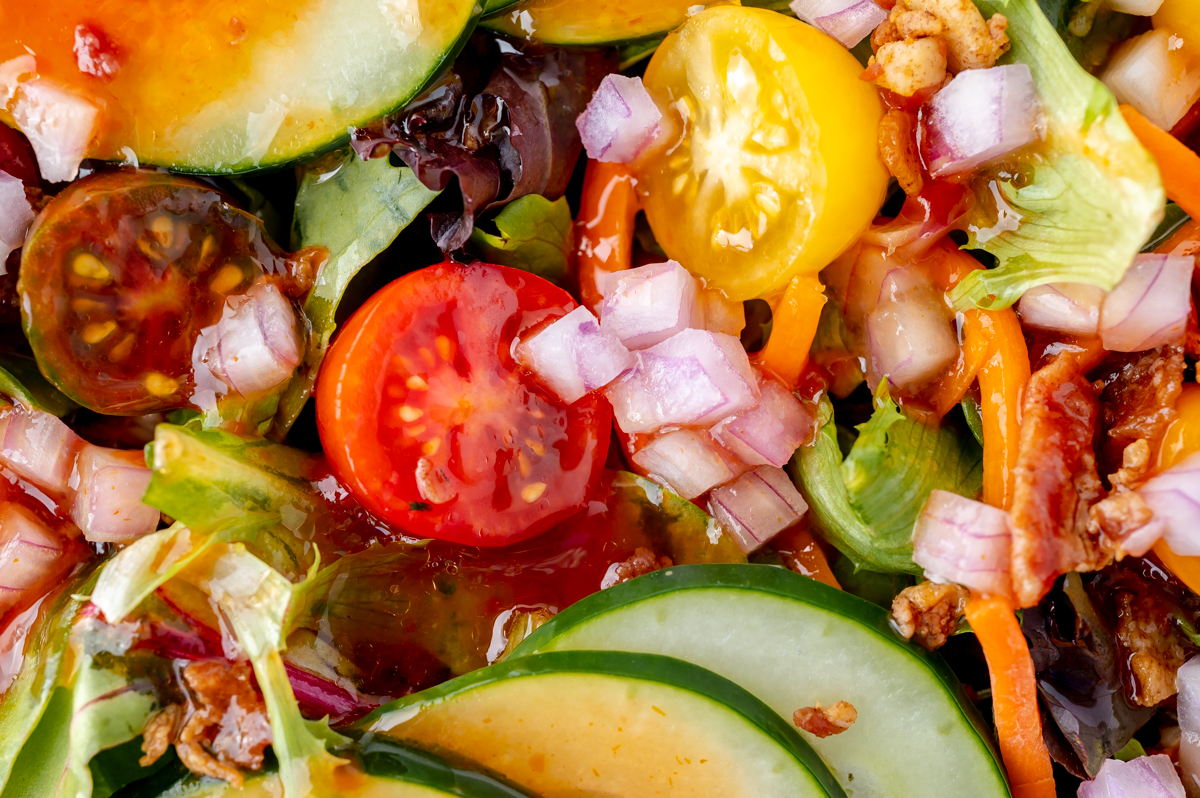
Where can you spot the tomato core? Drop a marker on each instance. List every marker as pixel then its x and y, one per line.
pixel 429 422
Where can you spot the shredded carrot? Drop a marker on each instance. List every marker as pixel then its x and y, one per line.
pixel 1180 167
pixel 1002 379
pixel 793 327
pixel 1014 697
pixel 604 227
pixel 951 389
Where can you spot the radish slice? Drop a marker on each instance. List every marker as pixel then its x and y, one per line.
pixel 620 122
pixel 58 123
pixel 254 347
pixel 574 355
pixel 909 334
pixel 848 21
pixel 1144 777
pixel 1187 681
pixel 107 505
pixel 1149 75
pixel 694 378
pixel 686 461
pixel 1150 306
pixel 39 447
pixel 1065 307
pixel 16 214
pixel 981 115
pixel 770 433
pixel 649 304
pixel 30 554
pixel 757 506
pixel 1174 496
pixel 965 542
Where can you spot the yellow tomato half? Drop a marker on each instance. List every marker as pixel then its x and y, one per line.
pixel 775 168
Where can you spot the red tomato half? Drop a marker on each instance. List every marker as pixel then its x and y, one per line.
pixel 428 421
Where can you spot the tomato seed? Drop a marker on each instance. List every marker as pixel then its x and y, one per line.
pixel 90 267
pixel 531 493
pixel 161 384
pixel 229 278
pixel 96 332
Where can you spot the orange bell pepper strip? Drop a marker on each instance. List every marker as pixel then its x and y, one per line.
pixel 1014 697
pixel 794 321
pixel 604 228
pixel 804 555
pixel 1180 167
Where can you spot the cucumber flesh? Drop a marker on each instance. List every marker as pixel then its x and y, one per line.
pixel 793 642
pixel 605 723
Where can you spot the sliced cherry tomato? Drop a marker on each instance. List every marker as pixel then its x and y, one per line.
pixel 427 420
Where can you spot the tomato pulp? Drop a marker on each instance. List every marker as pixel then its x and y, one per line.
pixel 428 421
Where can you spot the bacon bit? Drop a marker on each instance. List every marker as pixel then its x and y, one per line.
pixel 95 54
pixel 822 722
pixel 1138 392
pixel 642 562
pixel 1147 633
pixel 898 146
pixel 161 730
pixel 930 612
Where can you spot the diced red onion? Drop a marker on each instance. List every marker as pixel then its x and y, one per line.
pixel 30 554
pixel 909 333
pixel 981 115
pixel 1150 306
pixel 721 314
pixel 620 122
pixel 694 378
pixel 688 462
pixel 757 506
pixel 924 219
pixel 1144 777
pixel 318 697
pixel 963 541
pixel 1065 307
pixel 16 214
pixel 770 432
pixel 107 505
pixel 574 355
pixel 649 304
pixel 848 21
pixel 255 346
pixel 1174 496
pixel 1187 682
pixel 59 123
pixel 1140 8
pixel 1147 74
pixel 39 447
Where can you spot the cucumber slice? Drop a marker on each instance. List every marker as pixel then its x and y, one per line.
pixel 595 22
pixel 577 723
pixel 388 770
pixel 792 642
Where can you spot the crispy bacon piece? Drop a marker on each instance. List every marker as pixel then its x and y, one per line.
pixel 823 721
pixel 1056 482
pixel 1146 631
pixel 1138 392
pixel 930 612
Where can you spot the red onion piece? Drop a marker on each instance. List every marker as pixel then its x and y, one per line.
pixel 769 433
pixel 965 542
pixel 1144 777
pixel 1147 74
pixel 12 72
pixel 909 334
pixel 59 123
pixel 1174 496
pixel 694 378
pixel 848 21
pixel 1187 681
pixel 620 122
pixel 757 506
pixel 1150 306
pixel 1141 8
pixel 981 115
pixel 107 505
pixel 255 346
pixel 574 355
pixel 38 447
pixel 1065 307
pixel 30 554
pixel 318 697
pixel 688 462
pixel 924 219
pixel 649 304
pixel 16 214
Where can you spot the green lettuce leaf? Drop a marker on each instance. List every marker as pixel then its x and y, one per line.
pixel 1089 27
pixel 21 380
pixel 536 235
pixel 355 209
pixel 1090 201
pixel 866 505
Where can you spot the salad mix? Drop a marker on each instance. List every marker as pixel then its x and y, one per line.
pixel 543 398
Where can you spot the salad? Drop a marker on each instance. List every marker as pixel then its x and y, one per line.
pixel 502 398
